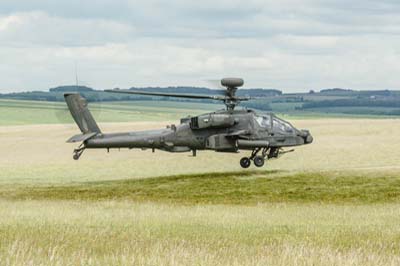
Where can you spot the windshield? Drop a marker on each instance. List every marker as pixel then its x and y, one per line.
pixel 264 120
pixel 282 125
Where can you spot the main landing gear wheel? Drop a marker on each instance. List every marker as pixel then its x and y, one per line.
pixel 245 162
pixel 259 161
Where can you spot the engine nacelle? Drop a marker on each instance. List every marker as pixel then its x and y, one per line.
pixel 212 121
pixel 220 142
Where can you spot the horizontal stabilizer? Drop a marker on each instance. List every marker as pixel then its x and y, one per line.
pixel 81 137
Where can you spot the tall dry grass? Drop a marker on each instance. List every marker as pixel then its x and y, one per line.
pixel 126 233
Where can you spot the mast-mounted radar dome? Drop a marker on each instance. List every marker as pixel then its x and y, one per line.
pixel 232 82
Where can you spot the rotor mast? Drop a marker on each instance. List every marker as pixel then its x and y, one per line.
pixel 232 85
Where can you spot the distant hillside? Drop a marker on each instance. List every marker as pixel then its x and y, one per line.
pixel 54 94
pixel 363 93
pixel 336 91
pixel 335 100
pixel 71 88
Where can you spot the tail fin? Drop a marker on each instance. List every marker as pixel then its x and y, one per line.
pixel 78 107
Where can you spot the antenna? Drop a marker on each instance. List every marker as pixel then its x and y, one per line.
pixel 76 74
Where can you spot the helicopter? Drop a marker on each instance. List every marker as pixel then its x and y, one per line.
pixel 229 130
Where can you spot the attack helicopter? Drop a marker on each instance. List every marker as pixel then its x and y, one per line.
pixel 230 130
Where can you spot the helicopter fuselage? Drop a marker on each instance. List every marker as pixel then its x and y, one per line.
pixel 222 131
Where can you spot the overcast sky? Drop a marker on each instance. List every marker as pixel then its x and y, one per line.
pixel 288 45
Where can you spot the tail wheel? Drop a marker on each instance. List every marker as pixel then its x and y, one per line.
pixel 78 152
pixel 259 161
pixel 245 162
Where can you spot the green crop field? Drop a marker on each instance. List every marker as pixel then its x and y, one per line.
pixel 335 202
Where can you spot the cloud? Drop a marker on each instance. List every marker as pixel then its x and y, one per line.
pixel 38 28
pixel 290 45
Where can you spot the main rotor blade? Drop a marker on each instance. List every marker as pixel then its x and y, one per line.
pixel 191 96
pixel 216 83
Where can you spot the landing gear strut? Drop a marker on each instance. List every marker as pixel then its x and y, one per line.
pixel 78 152
pixel 259 160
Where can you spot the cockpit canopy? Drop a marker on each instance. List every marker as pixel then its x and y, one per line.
pixel 272 122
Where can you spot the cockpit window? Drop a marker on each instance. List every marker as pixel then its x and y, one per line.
pixel 282 125
pixel 264 121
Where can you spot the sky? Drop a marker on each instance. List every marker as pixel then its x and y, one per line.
pixel 289 45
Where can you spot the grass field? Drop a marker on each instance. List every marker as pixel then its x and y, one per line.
pixel 130 233
pixel 335 202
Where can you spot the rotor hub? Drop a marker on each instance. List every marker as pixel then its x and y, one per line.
pixel 231 85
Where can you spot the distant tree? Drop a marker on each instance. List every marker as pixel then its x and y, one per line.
pixel 70 88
